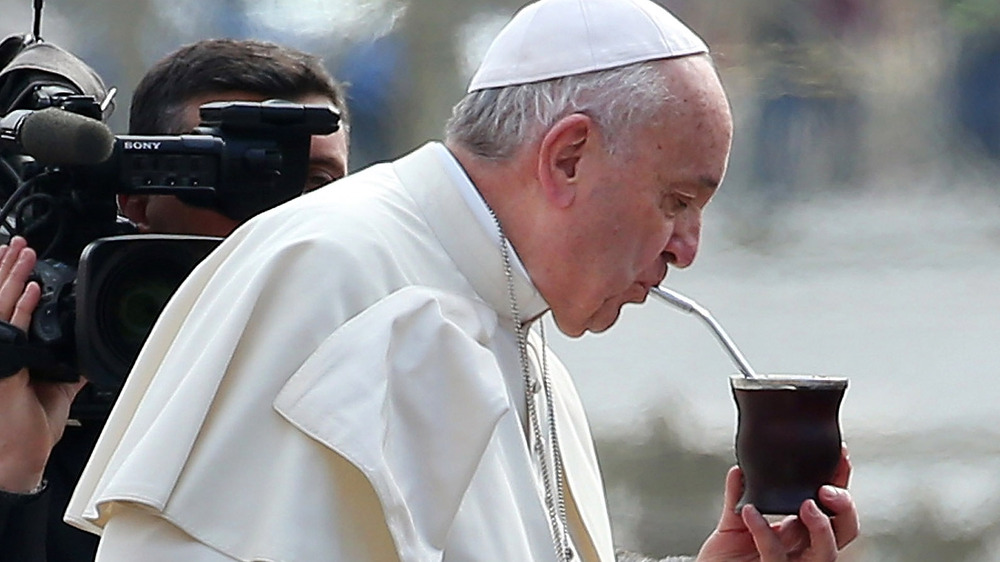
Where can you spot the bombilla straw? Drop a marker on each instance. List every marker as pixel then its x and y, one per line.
pixel 685 304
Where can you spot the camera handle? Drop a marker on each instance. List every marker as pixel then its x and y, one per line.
pixel 16 353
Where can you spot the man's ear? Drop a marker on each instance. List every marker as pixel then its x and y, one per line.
pixel 559 157
pixel 134 209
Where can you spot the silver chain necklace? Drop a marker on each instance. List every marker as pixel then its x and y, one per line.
pixel 555 502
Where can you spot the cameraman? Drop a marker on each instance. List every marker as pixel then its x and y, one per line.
pixel 41 457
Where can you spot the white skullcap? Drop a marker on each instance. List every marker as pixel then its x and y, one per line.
pixel 555 38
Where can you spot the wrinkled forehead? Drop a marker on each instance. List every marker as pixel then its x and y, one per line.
pixel 693 130
pixel 693 83
pixel 696 100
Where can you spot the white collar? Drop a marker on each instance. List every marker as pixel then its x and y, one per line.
pixel 475 201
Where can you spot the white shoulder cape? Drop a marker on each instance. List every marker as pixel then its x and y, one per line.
pixel 251 422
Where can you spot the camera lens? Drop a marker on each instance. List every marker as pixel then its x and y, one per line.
pixel 138 307
pixel 123 285
pixel 134 296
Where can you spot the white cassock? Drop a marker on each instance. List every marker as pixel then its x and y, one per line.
pixel 340 381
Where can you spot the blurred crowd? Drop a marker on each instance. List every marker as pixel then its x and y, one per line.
pixel 828 92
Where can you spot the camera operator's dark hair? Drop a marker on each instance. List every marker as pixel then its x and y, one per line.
pixel 226 65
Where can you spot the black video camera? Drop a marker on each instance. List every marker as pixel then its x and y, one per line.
pixel 103 286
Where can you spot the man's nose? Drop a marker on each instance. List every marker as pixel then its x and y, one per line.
pixel 683 243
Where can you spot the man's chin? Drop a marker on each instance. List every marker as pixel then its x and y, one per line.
pixel 608 316
pixel 602 322
pixel 571 329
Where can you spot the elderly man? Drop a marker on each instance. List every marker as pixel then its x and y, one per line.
pixel 353 375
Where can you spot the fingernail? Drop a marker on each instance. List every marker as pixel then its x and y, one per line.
pixel 831 492
pixel 812 508
pixel 752 511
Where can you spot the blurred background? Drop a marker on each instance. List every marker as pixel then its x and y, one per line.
pixel 857 234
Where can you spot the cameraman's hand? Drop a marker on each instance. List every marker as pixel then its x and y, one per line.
pixel 32 414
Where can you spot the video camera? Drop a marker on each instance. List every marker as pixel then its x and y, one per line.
pixel 60 168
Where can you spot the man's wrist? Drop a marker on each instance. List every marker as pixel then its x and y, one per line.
pixel 17 476
pixel 22 517
pixel 8 498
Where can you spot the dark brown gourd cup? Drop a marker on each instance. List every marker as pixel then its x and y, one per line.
pixel 788 440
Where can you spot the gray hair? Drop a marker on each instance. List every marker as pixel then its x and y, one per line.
pixel 493 123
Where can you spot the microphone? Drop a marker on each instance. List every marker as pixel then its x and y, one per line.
pixel 56 136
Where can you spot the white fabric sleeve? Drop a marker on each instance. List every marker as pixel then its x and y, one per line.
pixel 137 534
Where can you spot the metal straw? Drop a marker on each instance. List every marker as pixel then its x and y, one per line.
pixel 687 305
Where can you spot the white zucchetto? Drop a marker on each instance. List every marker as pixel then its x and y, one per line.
pixel 555 38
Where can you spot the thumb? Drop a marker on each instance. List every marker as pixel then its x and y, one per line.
pixel 731 519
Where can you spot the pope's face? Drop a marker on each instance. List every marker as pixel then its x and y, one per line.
pixel 640 212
